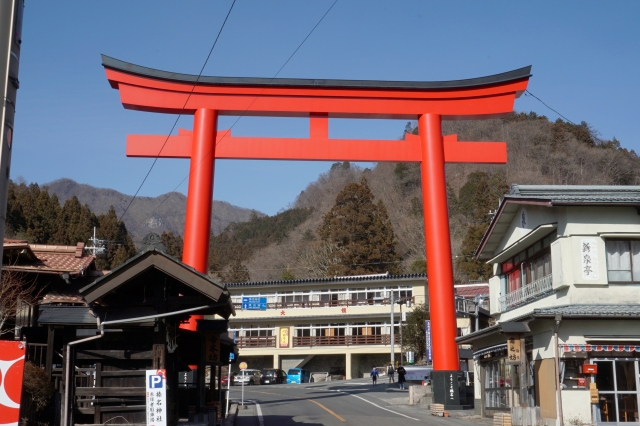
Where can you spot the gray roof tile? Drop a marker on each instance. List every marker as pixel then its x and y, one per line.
pixel 590 311
pixel 579 194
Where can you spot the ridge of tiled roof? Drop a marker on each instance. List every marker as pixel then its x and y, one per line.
pixel 376 277
pixel 51 258
pixel 604 310
pixel 559 194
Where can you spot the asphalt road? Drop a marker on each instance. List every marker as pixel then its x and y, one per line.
pixel 338 403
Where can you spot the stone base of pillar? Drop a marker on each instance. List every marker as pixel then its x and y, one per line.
pixel 449 388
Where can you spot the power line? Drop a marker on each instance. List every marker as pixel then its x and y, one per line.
pixel 528 93
pixel 543 103
pixel 181 110
pixel 243 113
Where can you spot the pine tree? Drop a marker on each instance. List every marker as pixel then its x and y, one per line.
pixel 477 198
pixel 173 243
pixel 76 223
pixel 362 231
pixel 120 246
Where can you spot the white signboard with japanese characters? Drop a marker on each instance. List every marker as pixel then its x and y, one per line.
pixel 589 258
pixel 156 397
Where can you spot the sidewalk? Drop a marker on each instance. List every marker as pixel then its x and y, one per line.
pixel 392 395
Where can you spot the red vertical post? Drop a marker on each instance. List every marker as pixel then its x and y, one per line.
pixel 438 244
pixel 197 228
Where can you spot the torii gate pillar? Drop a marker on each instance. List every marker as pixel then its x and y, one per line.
pixel 438 241
pixel 199 202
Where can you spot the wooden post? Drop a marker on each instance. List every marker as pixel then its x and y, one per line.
pixel 49 359
pixel 524 374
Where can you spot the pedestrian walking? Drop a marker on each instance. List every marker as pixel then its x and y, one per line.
pixel 390 372
pixel 374 375
pixel 401 374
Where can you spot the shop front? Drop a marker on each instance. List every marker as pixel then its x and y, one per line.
pixel 612 374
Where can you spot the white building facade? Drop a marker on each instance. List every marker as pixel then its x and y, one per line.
pixel 565 294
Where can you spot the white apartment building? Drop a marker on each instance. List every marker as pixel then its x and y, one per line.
pixel 565 294
pixel 321 323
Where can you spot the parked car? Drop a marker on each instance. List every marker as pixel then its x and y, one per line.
pixel 272 376
pixel 298 375
pixel 250 377
pixel 225 379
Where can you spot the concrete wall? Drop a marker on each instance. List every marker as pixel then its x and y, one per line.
pixel 576 407
pixel 322 363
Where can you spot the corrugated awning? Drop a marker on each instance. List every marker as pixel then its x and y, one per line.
pixel 598 348
pixel 496 348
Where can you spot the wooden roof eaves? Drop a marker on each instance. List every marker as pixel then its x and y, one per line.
pixel 145 261
pixel 497 217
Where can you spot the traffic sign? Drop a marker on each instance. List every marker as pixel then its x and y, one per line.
pixel 254 303
pixel 243 366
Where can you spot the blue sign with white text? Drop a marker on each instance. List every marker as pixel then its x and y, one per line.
pixel 254 303
pixel 427 332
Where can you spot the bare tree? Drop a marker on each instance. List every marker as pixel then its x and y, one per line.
pixel 14 291
pixel 319 257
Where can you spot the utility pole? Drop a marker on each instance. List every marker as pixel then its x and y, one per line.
pixel 393 355
pixel 11 12
pixel 98 245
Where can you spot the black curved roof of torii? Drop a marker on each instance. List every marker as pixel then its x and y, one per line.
pixel 509 76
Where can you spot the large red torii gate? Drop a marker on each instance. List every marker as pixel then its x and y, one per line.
pixel 146 89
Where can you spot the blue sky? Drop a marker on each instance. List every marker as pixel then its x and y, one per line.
pixel 70 123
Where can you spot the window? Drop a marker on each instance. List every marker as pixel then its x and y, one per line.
pixel 529 265
pixel 623 260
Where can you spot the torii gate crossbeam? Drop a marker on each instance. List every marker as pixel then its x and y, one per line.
pixel 146 89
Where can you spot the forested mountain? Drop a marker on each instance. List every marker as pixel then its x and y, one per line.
pixel 36 216
pixel 144 215
pixel 539 152
pixel 352 221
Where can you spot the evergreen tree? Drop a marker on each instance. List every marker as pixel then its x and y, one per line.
pixel 173 243
pixel 120 246
pixel 362 231
pixel 413 333
pixel 477 198
pixel 76 223
pixel 287 275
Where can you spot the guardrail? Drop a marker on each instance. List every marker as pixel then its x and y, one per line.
pixel 349 340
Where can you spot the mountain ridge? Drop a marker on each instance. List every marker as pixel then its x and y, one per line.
pixel 166 212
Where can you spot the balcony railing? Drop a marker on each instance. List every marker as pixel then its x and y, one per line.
pixel 526 294
pixel 376 339
pixel 468 306
pixel 324 303
pixel 256 342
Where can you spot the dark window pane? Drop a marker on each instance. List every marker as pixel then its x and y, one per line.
pixel 628 408
pixel 604 378
pixel 607 406
pixel 626 375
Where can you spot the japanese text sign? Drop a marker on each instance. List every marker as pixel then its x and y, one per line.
pixel 513 349
pixel 254 303
pixel 156 395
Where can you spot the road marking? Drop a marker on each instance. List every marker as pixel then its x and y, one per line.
pixel 380 407
pixel 327 410
pixel 259 410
